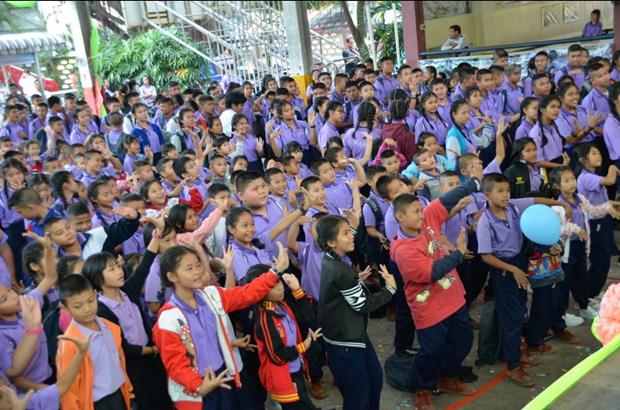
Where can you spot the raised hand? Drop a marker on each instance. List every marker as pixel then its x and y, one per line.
pixel 291 281
pixel 126 212
pixel 45 241
pixel 82 344
pixel 387 277
pixel 281 262
pixel 31 311
pixel 227 258
pixel 363 275
pixel 244 343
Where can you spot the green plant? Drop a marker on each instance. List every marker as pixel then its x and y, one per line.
pixel 150 53
pixel 384 30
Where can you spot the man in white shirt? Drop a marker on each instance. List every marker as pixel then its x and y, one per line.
pixel 234 105
pixel 147 91
pixel 28 83
pixel 456 40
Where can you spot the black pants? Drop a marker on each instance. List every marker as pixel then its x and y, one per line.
pixel 404 333
pixel 114 401
pixel 304 402
pixel 601 249
pixel 316 354
pixel 575 282
pixel 17 242
pixel 148 378
pixel 473 272
pixel 542 313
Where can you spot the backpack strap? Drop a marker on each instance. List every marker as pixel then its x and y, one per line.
pixel 374 207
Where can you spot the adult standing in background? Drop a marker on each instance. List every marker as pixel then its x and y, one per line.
pixel 147 91
pixel 456 40
pixel 350 55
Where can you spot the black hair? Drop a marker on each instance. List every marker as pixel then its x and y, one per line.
pixel 327 229
pixel 32 253
pixel 271 172
pixel 72 285
pixel 425 97
pixel 235 120
pixel 365 113
pixel 23 197
pixel 455 27
pixel 131 197
pixel 373 170
pixel 317 164
pixel 306 182
pixel 149 228
pixel 254 272
pixel 233 217
pixel 177 217
pixel 399 110
pixel 544 103
pixel 614 93
pixel 215 189
pixel 382 185
pixel 490 180
pixel 170 260
pixel 77 209
pixel 333 106
pixel 179 165
pixel 144 190
pixel 470 91
pixel 423 136
pixel 94 266
pixel 403 201
pixel 551 189
pixel 65 265
pixel 332 153
pixel 517 148
pixel 234 98
pixel 465 73
pixel 93 189
pixel 237 159
pixel 244 179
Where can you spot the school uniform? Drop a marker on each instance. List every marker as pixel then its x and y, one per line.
pixel 249 150
pixel 150 136
pixel 328 130
pixel 384 87
pixel 244 257
pixel 566 124
pixel 354 141
pixel 11 130
pixel 339 197
pixel 190 340
pixel 592 30
pixel 611 130
pixel 509 99
pixel 456 141
pixel 441 163
pixel 503 239
pixel 299 133
pixel 435 125
pixel 601 232
pixel 579 77
pixel 615 75
pixel 523 178
pixel 554 147
pixel 276 209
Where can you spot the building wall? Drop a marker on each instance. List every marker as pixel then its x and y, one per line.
pixel 493 23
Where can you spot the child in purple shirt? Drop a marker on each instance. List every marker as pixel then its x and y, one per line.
pixel 340 195
pixel 431 121
pixel 549 142
pixel 253 147
pixel 12 129
pixel 573 67
pixel 596 102
pixel 611 128
pixel 594 27
pixel 529 115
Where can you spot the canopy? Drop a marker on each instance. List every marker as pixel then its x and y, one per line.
pixel 29 43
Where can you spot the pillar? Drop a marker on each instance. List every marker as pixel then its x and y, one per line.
pixel 37 67
pixel 413 34
pixel 299 43
pixel 616 24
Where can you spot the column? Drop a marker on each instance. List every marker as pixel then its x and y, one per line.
pixel 299 44
pixel 616 24
pixel 414 39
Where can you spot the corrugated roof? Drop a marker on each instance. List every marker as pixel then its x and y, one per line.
pixel 24 43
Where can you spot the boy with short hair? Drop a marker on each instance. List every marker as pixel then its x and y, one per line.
pixel 596 101
pixel 376 206
pixel 500 245
pixel 195 189
pixel 573 67
pixel 12 129
pixel 93 161
pixel 102 382
pixel 219 167
pixel 391 162
pixel 143 170
pixel 27 202
pixel 541 86
pixel 115 136
pixel 340 194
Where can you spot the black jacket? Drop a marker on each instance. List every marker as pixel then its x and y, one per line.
pixel 518 175
pixel 344 303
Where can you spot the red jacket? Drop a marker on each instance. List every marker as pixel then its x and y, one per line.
pixel 430 301
pixel 405 139
pixel 273 352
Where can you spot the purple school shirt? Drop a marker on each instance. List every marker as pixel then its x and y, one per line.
pixel 595 102
pixel 129 161
pixel 589 185
pixel 8 216
pixel 38 370
pixel 578 217
pixel 615 75
pixel 369 215
pixel 349 174
pixel 489 105
pixel 101 218
pixel 351 111
pixel 47 398
pixel 129 319
pixel 300 106
pixel 523 130
pixel 187 138
pixel 384 87
pixel 78 136
pixel 11 129
pixel 327 131
pixel 452 227
pixel 436 126
pixel 5 274
pixel 300 133
pixel 203 329
pixel 412 118
pixel 319 122
pixel 290 329
pixel 339 196
pixel 611 134
pixel 114 136
pixel 458 93
pixel 249 146
pixel 566 123
pixel 152 137
pixel 512 104
pixel 444 112
pixel 135 244
pixel 304 171
pixel 554 147
pixel 276 208
pixel 502 238
pixel 579 78
pixel 390 223
pixel 310 257
pixel 249 114
pixel 152 285
pixel 592 30
pixel 88 179
pixel 308 226
pixel 292 182
pixel 34 126
pixel 354 142
pixel 334 96
pixel 244 258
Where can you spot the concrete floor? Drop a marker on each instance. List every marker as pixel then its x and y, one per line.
pixel 502 396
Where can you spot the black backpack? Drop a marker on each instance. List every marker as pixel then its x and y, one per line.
pixel 400 372
pixel 368 246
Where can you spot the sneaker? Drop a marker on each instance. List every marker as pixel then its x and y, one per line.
pixel 588 313
pixel 424 400
pixel 543 348
pixel 520 377
pixel 566 337
pixel 317 391
pixel 572 320
pixel 453 384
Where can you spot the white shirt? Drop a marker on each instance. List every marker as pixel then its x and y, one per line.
pixel 226 120
pixel 457 43
pixel 28 85
pixel 147 90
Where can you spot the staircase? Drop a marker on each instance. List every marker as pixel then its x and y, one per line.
pixel 244 39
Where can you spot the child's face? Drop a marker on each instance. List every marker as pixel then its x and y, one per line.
pixel 430 105
pixel 396 188
pixel 188 119
pixel 498 80
pixel 94 164
pixel 298 155
pixel 145 173
pixel 14 177
pixel 5 147
pixel 277 184
pixel 501 61
pixel 540 63
pixel 167 242
pixel 461 116
pixel 255 194
pixel 292 168
pixel 156 195
pixel 345 241
pixel 52 166
pixel 99 144
pixel 529 153
pixel 574 59
pixel 568 183
pixel 189 273
pixel 327 174
pixel 552 111
pixel 168 173
pixel 134 147
pixel 208 107
pixel 241 164
pixel 594 158
pixel 430 144
pixel 63 233
pixel 226 148
pixel 412 218
pixel 326 80
pixel 191 220
pixel 475 100
pixel 141 114
pixel 353 93
pixel 600 77
pixel 288 112
pixel 391 165
pixel 44 191
pixel 593 18
pixel 114 107
pixel 113 275
pixel 371 78
pixel 172 154
pixel 440 90
pixel 276 294
pixel 9 301
pixel 57 127
pixel 223 196
pixel 221 105
pixel 531 111
pixel 84 118
pixel 192 170
pixel 244 230
pixel 82 307
pixel 449 183
pixel 499 196
pixel 105 196
pixel 514 77
pixel 166 108
pixel 242 126
pixel 34 150
pixel 41 111
pixel 341 161
pixel 12 115
pixel 317 194
pixel 426 162
pixel 219 167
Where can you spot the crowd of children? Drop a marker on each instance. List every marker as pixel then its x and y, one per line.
pixel 218 249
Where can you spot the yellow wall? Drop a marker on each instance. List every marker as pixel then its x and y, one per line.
pixel 490 23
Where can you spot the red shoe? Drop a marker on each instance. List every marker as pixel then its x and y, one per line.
pixel 424 400
pixel 453 384
pixel 520 377
pixel 543 348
